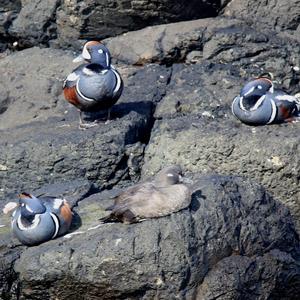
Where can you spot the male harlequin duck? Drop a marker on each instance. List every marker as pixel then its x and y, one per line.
pixel 37 220
pixel 95 85
pixel 161 196
pixel 260 104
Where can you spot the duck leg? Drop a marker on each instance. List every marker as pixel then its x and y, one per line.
pixel 83 125
pixel 108 116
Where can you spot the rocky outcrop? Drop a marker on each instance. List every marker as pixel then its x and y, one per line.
pixel 65 22
pixel 234 241
pixel 279 15
pixel 232 227
pixel 195 126
pixel 41 142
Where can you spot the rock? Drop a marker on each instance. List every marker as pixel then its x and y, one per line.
pixel 281 15
pixel 8 12
pixel 232 227
pixel 194 124
pixel 163 43
pixel 35 23
pixel 40 140
pixel 65 22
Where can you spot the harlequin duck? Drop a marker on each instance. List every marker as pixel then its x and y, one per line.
pixel 260 104
pixel 95 85
pixel 161 196
pixel 37 220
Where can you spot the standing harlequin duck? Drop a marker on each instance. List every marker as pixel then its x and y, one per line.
pixel 159 197
pixel 38 220
pixel 259 104
pixel 95 85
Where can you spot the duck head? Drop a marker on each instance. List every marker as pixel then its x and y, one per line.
pixel 95 52
pixel 169 176
pixel 254 90
pixel 30 205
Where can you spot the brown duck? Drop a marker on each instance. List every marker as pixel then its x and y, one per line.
pixel 164 194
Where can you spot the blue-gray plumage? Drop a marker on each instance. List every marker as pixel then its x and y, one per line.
pixel 259 104
pixel 94 86
pixel 37 220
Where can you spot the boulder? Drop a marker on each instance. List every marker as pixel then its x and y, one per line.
pixel 279 15
pixel 65 22
pixel 234 240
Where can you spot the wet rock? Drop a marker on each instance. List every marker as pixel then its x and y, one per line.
pixel 232 227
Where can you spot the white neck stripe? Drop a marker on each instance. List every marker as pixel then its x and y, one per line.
pixel 56 223
pixel 118 85
pixel 274 111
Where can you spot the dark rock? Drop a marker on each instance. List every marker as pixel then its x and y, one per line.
pixel 195 126
pixel 232 227
pixel 40 140
pixel 8 12
pixel 35 23
pixel 279 15
pixel 66 22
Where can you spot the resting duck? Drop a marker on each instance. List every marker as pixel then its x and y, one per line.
pixel 95 85
pixel 260 104
pixel 161 196
pixel 37 220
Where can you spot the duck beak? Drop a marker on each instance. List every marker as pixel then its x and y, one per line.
pixel 78 59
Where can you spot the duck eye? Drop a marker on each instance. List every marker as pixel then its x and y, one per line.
pixel 23 204
pixel 100 51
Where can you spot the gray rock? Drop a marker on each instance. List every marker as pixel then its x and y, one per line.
pixel 195 126
pixel 280 15
pixel 66 22
pixel 40 140
pixel 35 24
pixel 232 227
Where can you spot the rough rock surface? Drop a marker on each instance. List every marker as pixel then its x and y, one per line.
pixel 234 241
pixel 40 140
pixel 65 22
pixel 195 126
pixel 279 15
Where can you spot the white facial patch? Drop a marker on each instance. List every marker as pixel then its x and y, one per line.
pixel 259 87
pixel 85 53
pixel 170 175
